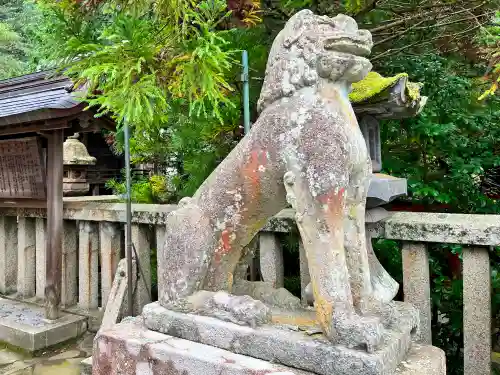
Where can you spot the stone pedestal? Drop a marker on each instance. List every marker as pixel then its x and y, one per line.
pixel 129 348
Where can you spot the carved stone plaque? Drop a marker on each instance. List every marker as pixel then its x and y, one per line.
pixel 21 169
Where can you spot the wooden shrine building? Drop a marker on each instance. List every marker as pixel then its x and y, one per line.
pixel 37 113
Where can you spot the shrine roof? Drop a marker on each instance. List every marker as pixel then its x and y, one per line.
pixel 36 97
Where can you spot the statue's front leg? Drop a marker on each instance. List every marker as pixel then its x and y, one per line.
pixel 320 220
pixel 365 298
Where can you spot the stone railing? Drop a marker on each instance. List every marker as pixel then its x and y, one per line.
pixel 93 246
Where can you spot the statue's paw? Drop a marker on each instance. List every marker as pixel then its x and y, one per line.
pixel 401 316
pixel 356 331
pixel 265 292
pixel 242 310
pixel 396 316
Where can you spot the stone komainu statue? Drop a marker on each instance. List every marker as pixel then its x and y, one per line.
pixel 305 149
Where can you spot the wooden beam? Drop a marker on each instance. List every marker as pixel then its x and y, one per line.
pixel 54 224
pixel 31 128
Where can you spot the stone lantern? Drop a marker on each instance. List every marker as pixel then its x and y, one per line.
pixel 76 162
pixel 376 98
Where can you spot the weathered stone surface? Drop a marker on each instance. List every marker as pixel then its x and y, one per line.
pixel 142 246
pixel 69 284
pixel 384 286
pixel 417 288
pixel 130 349
pixel 7 357
pixel 384 189
pixel 459 228
pixel 423 360
pixel 75 158
pixel 271 259
pixel 110 242
pixel 26 263
pixel 280 344
pixel 265 292
pixel 242 310
pixel 117 297
pixel 88 275
pixel 8 254
pixel 86 366
pixel 24 326
pixel 312 63
pixel 477 311
pixel 444 228
pixel 40 244
pixel 305 278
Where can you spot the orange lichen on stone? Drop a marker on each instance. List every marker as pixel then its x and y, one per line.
pixel 224 244
pixel 298 320
pixel 324 313
pixel 252 170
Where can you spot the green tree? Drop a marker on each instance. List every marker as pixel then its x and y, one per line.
pixel 489 40
pixel 19 49
pixel 446 150
pixel 10 64
pixel 168 68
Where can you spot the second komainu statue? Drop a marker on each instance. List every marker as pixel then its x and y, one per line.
pixel 307 150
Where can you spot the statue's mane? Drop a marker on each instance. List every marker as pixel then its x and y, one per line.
pixel 292 60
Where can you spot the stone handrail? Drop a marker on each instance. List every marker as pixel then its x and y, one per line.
pixel 93 236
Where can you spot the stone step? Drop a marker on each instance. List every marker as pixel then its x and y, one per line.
pixel 129 348
pixel 24 326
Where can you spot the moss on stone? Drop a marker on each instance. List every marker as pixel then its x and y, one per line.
pixel 375 84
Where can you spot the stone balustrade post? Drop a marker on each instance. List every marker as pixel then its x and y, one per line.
pixel 88 265
pixel 271 259
pixel 110 244
pixel 160 236
pixel 8 254
pixel 477 311
pixel 26 262
pixel 69 287
pixel 416 286
pixel 40 243
pixel 142 245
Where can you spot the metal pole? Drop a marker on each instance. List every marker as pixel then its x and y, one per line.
pixel 246 93
pixel 128 215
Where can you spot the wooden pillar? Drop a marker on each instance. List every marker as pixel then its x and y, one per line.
pixel 54 224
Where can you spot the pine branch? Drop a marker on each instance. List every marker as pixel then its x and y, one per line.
pixel 456 21
pixel 392 51
pixel 418 27
pixel 416 16
pixel 417 9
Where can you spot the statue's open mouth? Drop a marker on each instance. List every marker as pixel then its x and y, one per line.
pixel 355 46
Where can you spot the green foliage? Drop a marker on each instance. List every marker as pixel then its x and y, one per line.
pixel 153 189
pixel 489 38
pixel 445 151
pixel 11 47
pixel 19 48
pixel 9 64
pixel 175 82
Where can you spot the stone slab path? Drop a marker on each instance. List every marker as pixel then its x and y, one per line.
pixel 64 360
